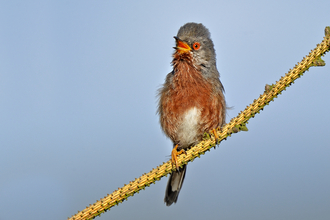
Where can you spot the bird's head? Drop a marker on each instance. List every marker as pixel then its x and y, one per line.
pixel 194 45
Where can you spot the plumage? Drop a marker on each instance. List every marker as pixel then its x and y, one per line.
pixel 191 101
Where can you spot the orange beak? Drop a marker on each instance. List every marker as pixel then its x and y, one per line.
pixel 181 46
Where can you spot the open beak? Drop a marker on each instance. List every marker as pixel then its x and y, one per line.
pixel 181 46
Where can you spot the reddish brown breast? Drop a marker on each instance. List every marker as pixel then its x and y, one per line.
pixel 186 90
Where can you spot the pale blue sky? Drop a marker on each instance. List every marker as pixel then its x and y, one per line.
pixel 78 83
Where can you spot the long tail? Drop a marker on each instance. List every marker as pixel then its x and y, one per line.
pixel 174 185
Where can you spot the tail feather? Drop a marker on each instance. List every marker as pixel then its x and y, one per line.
pixel 174 185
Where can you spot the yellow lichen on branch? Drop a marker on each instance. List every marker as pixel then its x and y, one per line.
pixel 236 124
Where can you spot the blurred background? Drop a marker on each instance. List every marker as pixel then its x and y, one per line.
pixel 78 82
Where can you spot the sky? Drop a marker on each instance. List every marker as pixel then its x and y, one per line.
pixel 78 82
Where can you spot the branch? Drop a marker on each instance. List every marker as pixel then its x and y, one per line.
pixel 235 125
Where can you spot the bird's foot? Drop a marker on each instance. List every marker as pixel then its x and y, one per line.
pixel 174 155
pixel 216 137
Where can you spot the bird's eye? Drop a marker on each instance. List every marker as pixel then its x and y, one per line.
pixel 196 46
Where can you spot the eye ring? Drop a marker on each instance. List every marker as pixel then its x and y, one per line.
pixel 196 46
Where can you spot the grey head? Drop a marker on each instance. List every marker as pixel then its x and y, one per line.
pixel 204 56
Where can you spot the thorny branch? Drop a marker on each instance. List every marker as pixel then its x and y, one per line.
pixel 235 125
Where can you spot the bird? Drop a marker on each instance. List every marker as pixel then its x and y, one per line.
pixel 191 101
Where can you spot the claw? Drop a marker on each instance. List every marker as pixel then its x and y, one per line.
pixel 174 155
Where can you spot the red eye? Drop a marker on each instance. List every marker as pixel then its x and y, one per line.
pixel 196 46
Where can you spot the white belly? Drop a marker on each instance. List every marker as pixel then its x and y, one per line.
pixel 188 130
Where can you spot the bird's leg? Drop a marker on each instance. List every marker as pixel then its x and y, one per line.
pixel 216 137
pixel 174 155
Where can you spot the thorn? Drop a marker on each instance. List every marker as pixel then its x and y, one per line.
pixel 244 128
pixel 318 62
